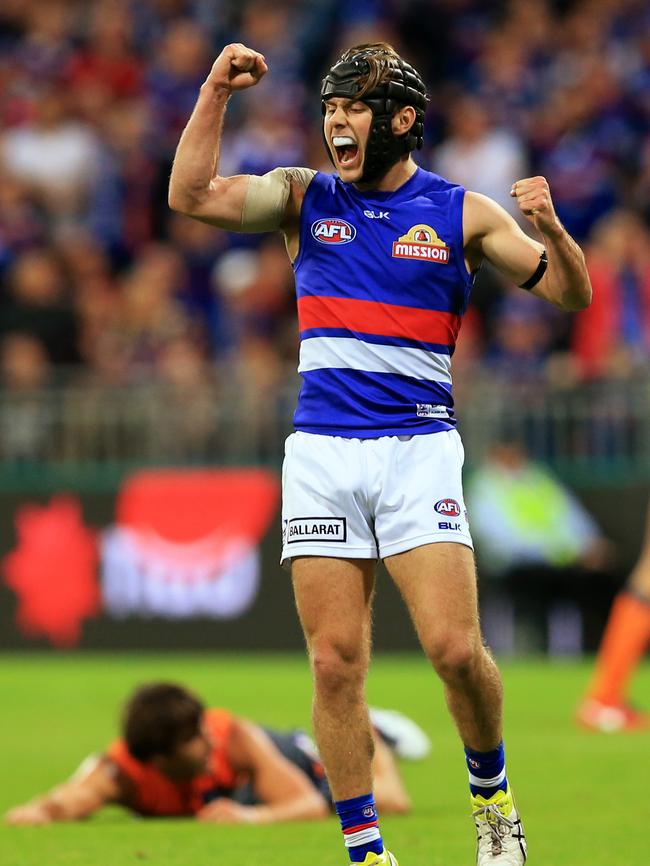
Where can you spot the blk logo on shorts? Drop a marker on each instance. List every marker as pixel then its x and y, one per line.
pixel 302 529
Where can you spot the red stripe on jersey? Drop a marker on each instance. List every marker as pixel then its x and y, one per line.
pixel 356 829
pixel 373 317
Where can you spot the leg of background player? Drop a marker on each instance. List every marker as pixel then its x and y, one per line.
pixel 624 643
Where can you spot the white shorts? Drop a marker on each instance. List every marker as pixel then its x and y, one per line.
pixel 371 498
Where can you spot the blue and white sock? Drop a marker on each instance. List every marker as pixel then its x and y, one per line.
pixel 487 771
pixel 360 826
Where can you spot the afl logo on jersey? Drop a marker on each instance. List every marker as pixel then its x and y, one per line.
pixel 448 507
pixel 333 231
pixel 421 242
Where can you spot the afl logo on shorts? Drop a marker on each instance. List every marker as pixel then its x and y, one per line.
pixel 333 231
pixel 448 507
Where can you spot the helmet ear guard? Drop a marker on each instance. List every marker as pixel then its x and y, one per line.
pixel 403 87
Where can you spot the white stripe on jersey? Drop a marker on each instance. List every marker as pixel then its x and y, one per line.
pixel 317 353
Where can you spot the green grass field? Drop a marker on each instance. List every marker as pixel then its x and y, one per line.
pixel 584 797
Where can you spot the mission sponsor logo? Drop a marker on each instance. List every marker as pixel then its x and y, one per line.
pixel 421 243
pixel 302 529
pixel 447 507
pixel 333 231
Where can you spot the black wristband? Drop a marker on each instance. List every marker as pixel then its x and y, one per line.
pixel 539 273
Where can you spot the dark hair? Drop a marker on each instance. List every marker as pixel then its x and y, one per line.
pixel 381 58
pixel 159 717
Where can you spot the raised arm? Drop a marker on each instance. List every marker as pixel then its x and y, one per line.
pixel 244 203
pixel 94 784
pixel 285 793
pixel 492 233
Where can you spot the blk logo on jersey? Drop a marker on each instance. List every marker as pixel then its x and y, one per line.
pixel 421 242
pixel 333 231
pixel 447 507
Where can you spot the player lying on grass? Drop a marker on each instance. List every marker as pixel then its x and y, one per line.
pixel 177 758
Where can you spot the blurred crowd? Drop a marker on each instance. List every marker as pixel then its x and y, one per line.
pixel 98 278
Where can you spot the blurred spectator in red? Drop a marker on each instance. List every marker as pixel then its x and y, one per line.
pixel 613 334
pixel 37 303
pixel 105 68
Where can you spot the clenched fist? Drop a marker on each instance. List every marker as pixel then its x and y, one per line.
pixel 237 68
pixel 534 199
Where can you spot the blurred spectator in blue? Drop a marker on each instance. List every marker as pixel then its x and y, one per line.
pixel 54 154
pixel 25 422
pixel 45 46
pixel 522 339
pixel 478 155
pixel 256 291
pixel 122 206
pixel 21 224
pixel 182 59
pixel 36 301
pixel 150 316
pixel 200 247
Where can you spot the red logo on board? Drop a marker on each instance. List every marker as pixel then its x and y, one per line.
pixel 53 571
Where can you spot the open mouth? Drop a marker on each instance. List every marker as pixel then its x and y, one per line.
pixel 346 149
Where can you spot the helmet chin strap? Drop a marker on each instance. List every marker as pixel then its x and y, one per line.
pixel 404 87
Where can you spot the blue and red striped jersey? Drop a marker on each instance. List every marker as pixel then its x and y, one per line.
pixel 382 286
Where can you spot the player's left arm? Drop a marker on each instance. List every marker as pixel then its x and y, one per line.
pixel 285 792
pixel 96 783
pixel 492 233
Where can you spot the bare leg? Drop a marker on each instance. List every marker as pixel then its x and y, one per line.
pixel 333 597
pixel 438 584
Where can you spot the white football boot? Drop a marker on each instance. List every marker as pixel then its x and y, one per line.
pixel 500 836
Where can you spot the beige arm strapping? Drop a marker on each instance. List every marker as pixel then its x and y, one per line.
pixel 267 197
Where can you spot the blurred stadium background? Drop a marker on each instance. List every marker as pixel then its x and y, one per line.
pixel 133 339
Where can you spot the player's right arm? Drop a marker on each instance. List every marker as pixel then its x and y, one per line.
pixel 96 783
pixel 245 203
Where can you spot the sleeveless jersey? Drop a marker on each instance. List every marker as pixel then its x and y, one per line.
pixel 382 285
pixel 156 795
